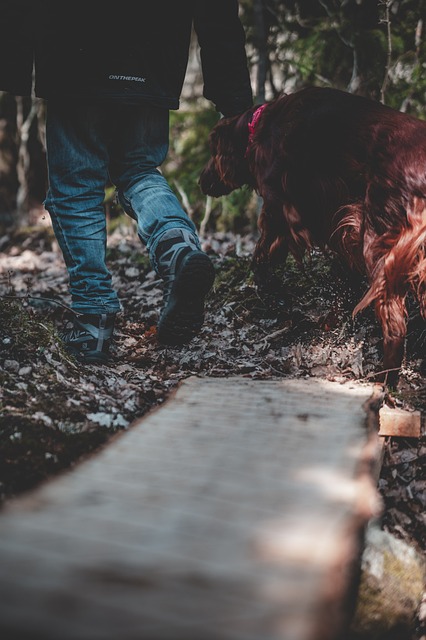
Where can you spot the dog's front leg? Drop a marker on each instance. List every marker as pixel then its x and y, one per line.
pixel 393 355
pixel 391 313
pixel 271 248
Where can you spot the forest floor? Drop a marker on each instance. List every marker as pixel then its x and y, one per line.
pixel 54 411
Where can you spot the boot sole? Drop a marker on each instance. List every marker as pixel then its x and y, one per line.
pixel 183 316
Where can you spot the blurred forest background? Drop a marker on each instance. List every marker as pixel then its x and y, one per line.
pixel 375 48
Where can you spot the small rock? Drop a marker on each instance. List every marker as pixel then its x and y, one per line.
pixel 108 419
pixel 11 365
pixel 120 421
pixel 25 371
pixel 131 272
pixel 391 586
pixel 42 417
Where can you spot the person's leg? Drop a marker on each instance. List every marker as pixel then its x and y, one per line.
pixel 77 160
pixel 78 171
pixel 139 146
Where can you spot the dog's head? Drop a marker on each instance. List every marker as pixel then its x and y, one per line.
pixel 227 168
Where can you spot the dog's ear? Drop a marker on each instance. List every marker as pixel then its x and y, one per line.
pixel 230 136
pixel 227 168
pixel 228 146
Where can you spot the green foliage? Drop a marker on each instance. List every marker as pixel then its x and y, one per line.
pixel 118 220
pixel 374 48
pixel 320 58
pixel 188 154
pixel 236 212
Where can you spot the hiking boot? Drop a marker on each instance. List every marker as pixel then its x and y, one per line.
pixel 188 275
pixel 89 338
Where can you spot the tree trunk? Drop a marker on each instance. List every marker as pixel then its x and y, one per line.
pixel 23 173
pixel 8 160
pixel 261 44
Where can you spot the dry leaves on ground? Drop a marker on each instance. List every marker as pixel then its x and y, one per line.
pixel 55 411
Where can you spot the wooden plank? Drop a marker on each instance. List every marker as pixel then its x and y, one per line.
pixel 399 422
pixel 233 512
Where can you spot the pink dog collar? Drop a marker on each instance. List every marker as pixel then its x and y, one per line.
pixel 253 123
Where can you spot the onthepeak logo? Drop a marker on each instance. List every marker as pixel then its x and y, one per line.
pixel 128 78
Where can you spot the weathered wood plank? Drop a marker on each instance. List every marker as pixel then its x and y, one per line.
pixel 397 422
pixel 233 512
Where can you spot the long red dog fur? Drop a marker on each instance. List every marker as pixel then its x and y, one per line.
pixel 335 171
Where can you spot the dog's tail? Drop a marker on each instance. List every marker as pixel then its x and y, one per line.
pixel 397 265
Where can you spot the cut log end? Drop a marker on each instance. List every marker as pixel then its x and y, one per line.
pixel 399 422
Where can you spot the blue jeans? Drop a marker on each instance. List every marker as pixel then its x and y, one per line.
pixel 88 146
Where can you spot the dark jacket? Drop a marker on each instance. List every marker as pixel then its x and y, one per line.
pixel 131 50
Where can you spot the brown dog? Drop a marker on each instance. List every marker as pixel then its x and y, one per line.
pixel 339 171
